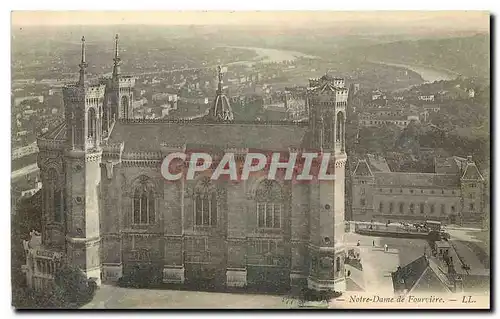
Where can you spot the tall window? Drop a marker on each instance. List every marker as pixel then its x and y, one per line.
pixel 125 106
pixel 340 129
pixel 412 208
pixel 453 209
pixel 443 210
pixel 381 207
pixel 422 208
pixel 91 125
pixel 401 207
pixel 205 203
pixel 269 199
pixel 362 202
pixel 328 129
pixel 432 208
pixel 144 203
pixel 54 196
pixel 471 206
pixel 391 207
pixel 114 112
pixel 337 266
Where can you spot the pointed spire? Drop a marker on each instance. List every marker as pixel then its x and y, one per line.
pixel 221 110
pixel 116 46
pixel 219 75
pixel 83 65
pixel 117 60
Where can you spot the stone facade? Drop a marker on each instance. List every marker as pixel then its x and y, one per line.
pixel 454 194
pixel 108 208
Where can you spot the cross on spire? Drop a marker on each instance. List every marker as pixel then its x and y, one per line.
pixel 116 46
pixel 83 64
pixel 117 60
pixel 219 75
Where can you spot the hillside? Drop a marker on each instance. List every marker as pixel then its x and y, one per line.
pixel 468 56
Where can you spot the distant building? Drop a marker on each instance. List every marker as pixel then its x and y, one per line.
pixel 24 151
pixel 41 265
pixel 424 275
pixel 427 98
pixel 296 103
pixel 471 93
pixel 30 192
pixel 378 95
pixel 432 108
pixel 454 193
pixel 19 100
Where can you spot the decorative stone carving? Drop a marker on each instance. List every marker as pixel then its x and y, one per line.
pixel 173 275
pixel 236 277
pixel 326 262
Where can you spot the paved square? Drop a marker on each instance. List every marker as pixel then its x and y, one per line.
pixel 112 297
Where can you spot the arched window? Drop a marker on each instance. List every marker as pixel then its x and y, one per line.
pixel 105 119
pixel 113 107
pixel 340 127
pixel 269 199
pixel 205 203
pixel 125 106
pixel 54 196
pixel 328 130
pixel 144 207
pixel 91 125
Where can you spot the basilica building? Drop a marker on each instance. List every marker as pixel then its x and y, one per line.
pixel 108 210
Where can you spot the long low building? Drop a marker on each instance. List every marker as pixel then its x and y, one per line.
pixel 454 196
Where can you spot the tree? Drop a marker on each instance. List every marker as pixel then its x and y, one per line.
pixel 72 287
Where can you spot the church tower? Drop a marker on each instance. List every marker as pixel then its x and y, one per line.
pixel 472 186
pixel 327 100
pixel 83 113
pixel 120 92
pixel 221 109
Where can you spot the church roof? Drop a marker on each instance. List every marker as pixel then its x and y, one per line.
pixel 363 169
pixel 449 164
pixel 57 133
pixel 421 275
pixel 378 163
pixel 472 173
pixel 144 135
pixel 403 179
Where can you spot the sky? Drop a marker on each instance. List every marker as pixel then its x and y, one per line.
pixel 470 20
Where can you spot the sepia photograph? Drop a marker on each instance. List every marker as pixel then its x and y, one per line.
pixel 250 160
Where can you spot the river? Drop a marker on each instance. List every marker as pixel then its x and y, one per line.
pixel 266 55
pixel 428 74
